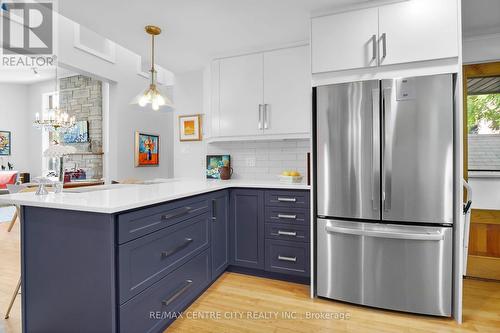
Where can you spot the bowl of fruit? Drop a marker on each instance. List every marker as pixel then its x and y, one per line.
pixel 290 177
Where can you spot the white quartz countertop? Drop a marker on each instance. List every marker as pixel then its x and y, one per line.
pixel 116 198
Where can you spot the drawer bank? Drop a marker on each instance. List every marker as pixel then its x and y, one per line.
pixel 126 271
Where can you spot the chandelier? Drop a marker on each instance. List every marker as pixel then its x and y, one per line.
pixel 152 94
pixel 52 118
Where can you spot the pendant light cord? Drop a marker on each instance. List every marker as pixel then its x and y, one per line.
pixel 153 59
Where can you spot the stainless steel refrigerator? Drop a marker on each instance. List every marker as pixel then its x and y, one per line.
pixel 384 184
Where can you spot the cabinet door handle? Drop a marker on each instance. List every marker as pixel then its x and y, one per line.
pixel 287 233
pixel 281 199
pixel 374 47
pixel 185 211
pixel 289 259
pixel 265 116
pixel 260 116
pixel 167 253
pixel 184 288
pixel 384 45
pixel 214 208
pixel 287 216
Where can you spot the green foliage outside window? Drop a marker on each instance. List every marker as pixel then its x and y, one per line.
pixel 486 108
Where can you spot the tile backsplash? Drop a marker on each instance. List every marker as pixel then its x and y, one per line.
pixel 263 160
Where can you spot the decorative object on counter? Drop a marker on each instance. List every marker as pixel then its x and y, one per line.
pixel 214 162
pixel 24 177
pixel 147 149
pixel 78 133
pixel 53 119
pixel 292 177
pixel 10 166
pixel 42 183
pixel 225 172
pixel 152 95
pixel 75 174
pixel 5 143
pixel 190 127
pixel 59 151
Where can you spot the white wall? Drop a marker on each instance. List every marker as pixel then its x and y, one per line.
pixel 189 157
pixel 482 48
pixel 13 118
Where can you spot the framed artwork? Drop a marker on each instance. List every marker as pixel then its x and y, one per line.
pixel 190 127
pixel 78 133
pixel 214 162
pixel 5 143
pixel 147 149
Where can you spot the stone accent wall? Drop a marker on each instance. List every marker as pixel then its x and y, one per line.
pixel 81 97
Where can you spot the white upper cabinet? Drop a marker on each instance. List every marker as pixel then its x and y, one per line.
pixel 418 30
pixel 287 91
pixel 407 31
pixel 241 95
pixel 344 41
pixel 262 94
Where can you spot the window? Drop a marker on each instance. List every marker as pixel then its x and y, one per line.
pixel 483 124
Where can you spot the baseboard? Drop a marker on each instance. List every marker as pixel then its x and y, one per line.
pixel 270 275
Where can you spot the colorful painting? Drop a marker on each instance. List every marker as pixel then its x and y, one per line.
pixel 190 128
pixel 147 149
pixel 214 162
pixel 5 143
pixel 78 133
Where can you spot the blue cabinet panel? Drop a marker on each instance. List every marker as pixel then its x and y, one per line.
pixel 287 198
pixel 152 310
pixel 220 232
pixel 291 232
pixel 247 228
pixel 146 260
pixel 288 257
pixel 288 215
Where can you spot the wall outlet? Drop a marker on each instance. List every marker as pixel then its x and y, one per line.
pixel 250 161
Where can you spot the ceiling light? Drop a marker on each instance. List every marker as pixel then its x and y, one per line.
pixel 152 95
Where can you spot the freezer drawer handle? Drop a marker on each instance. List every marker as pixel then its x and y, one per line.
pixel 181 291
pixel 287 216
pixel 281 199
pixel 287 233
pixel 290 259
pixel 387 234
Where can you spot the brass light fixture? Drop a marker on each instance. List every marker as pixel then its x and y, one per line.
pixel 152 95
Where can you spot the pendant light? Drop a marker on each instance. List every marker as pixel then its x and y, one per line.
pixel 152 95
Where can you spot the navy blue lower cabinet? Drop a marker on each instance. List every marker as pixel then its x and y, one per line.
pixel 154 309
pixel 287 257
pixel 146 260
pixel 219 232
pixel 247 228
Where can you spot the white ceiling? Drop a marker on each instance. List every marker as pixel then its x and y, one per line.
pixel 480 17
pixel 27 75
pixel 197 30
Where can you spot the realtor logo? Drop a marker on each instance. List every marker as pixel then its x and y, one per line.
pixel 27 28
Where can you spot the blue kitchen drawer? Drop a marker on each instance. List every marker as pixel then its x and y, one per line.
pixel 288 215
pixel 144 221
pixel 287 198
pixel 155 308
pixel 290 232
pixel 146 260
pixel 292 258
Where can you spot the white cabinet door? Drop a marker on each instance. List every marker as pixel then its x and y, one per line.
pixel 418 30
pixel 241 90
pixel 287 91
pixel 344 41
pixel 214 101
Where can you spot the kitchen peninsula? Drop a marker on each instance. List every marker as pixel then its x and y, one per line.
pixel 110 258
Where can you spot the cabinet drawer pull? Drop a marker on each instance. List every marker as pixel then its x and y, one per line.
pixel 287 216
pixel 287 199
pixel 185 211
pixel 178 293
pixel 214 209
pixel 287 233
pixel 290 259
pixel 167 253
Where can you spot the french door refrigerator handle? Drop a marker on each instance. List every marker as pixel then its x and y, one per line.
pixel 260 117
pixel 436 236
pixel 375 149
pixel 387 137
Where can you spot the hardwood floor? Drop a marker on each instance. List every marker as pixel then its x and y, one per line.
pixel 236 294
